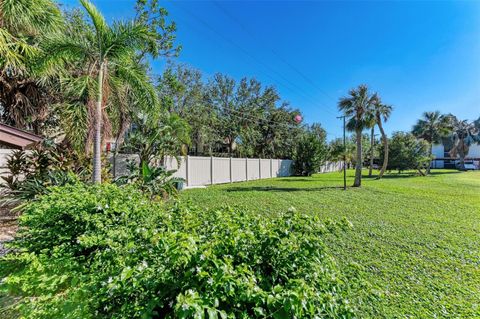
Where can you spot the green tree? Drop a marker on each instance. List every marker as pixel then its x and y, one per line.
pixel 155 137
pixel 311 151
pixel 407 152
pixel 24 25
pixel 108 53
pixel 357 108
pixel 464 134
pixel 182 91
pixel 431 128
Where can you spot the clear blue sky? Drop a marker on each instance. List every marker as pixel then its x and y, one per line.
pixel 420 56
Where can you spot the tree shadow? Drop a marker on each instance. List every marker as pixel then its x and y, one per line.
pixel 409 174
pixel 281 189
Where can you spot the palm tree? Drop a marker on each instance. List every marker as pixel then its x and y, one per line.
pixel 105 57
pixel 24 24
pixel 431 128
pixel 465 133
pixel 357 108
pixel 381 114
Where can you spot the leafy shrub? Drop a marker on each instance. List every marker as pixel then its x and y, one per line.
pixel 106 252
pixel 155 181
pixel 407 152
pixel 30 173
pixel 311 152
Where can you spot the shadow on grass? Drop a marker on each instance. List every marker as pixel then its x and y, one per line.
pixel 281 189
pixel 411 174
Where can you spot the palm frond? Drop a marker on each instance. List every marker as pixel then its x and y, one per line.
pixel 96 16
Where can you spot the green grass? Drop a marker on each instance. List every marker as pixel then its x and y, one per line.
pixel 416 239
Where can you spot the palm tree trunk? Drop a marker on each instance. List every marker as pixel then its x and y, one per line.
pixel 358 164
pixel 97 142
pixel 462 155
pixel 372 141
pixel 385 148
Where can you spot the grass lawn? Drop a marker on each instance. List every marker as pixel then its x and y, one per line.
pixel 416 239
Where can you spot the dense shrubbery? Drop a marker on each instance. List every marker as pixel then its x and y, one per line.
pixel 407 152
pixel 311 151
pixel 155 181
pixel 108 252
pixel 30 173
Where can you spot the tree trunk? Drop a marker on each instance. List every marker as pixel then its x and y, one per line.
pixel 462 155
pixel 429 164
pixel 358 164
pixel 97 142
pixel 372 141
pixel 385 147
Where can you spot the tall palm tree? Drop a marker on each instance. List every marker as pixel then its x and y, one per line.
pixel 464 134
pixel 106 55
pixel 381 113
pixel 357 108
pixel 431 128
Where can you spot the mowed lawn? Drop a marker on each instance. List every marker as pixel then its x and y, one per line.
pixel 416 240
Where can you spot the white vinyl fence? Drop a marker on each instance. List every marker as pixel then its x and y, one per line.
pixel 199 171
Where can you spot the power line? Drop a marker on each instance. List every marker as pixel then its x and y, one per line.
pixel 207 25
pixel 247 31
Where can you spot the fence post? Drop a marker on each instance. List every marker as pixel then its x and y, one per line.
pixel 271 168
pixel 187 170
pixel 246 169
pixel 260 168
pixel 211 170
pixel 231 173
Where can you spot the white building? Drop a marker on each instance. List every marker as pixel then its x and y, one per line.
pixel 444 160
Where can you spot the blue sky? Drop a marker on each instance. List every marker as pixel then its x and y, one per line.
pixel 419 56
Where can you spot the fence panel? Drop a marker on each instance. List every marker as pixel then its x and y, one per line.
pixel 275 168
pixel 221 170
pixel 253 168
pixel 180 166
pixel 199 171
pixel 239 169
pixel 265 169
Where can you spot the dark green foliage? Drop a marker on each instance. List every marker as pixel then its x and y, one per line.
pixel 30 173
pixel 311 152
pixel 155 181
pixel 407 152
pixel 107 252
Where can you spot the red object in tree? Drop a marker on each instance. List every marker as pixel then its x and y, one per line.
pixel 298 118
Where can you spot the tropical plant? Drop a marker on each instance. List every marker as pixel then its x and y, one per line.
pixel 406 152
pixel 311 151
pixel 101 251
pixel 381 113
pixel 105 56
pixel 464 134
pixel 357 108
pixel 156 136
pixel 29 174
pixel 155 181
pixel 432 127
pixel 24 25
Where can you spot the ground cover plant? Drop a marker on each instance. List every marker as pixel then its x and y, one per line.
pixel 109 252
pixel 416 239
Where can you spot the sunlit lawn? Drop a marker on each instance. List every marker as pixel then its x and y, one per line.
pixel 416 239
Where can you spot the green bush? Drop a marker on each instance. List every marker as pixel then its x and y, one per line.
pixel 107 252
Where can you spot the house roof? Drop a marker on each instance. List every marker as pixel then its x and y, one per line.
pixel 16 138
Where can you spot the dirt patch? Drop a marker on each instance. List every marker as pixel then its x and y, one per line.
pixel 8 223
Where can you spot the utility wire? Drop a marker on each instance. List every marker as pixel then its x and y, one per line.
pixel 207 25
pixel 286 62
